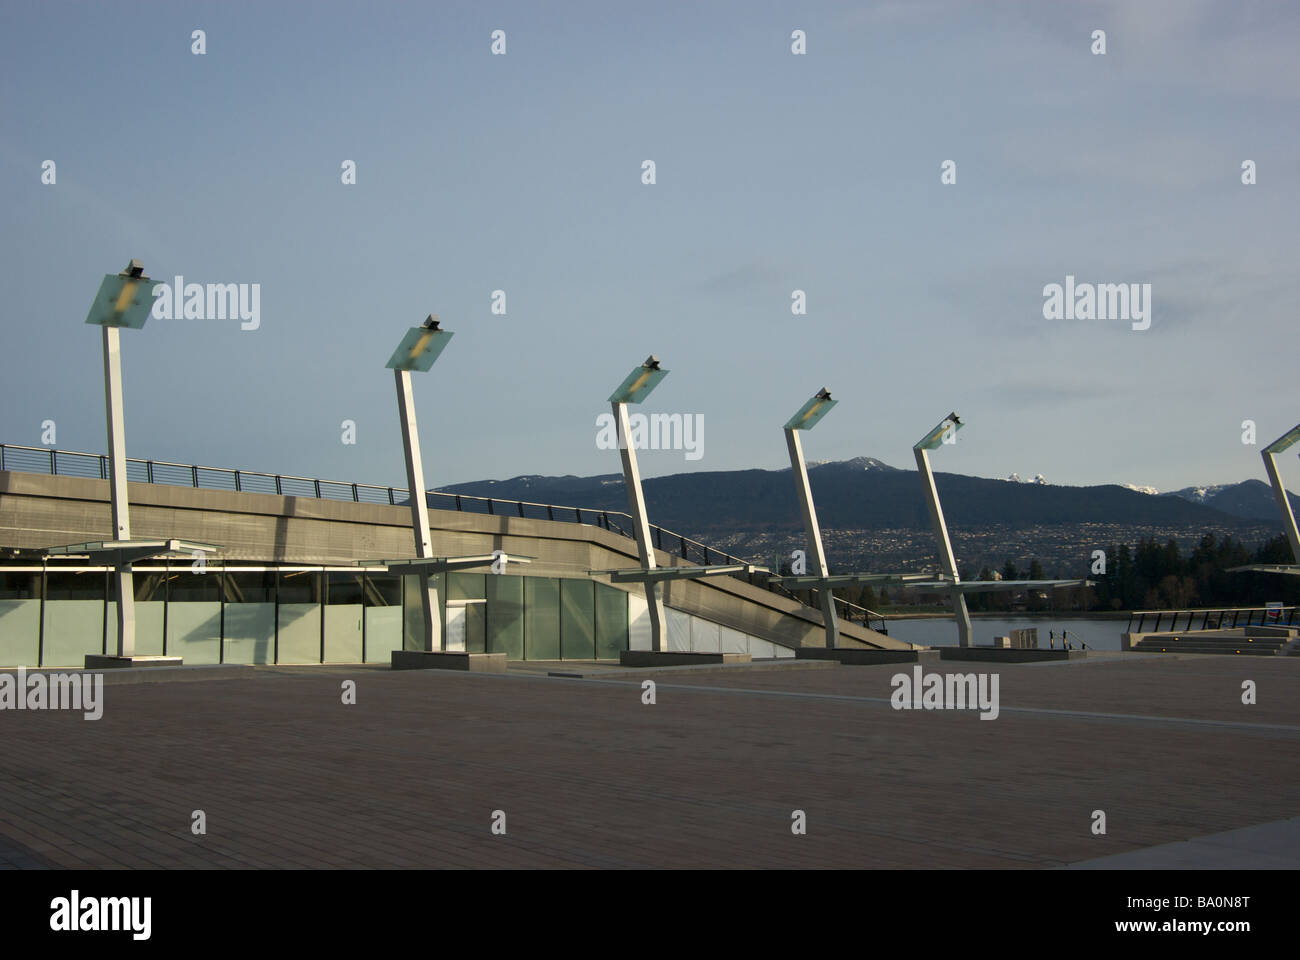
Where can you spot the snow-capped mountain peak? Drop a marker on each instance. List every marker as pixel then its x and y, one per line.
pixel 1201 494
pixel 861 463
pixel 1152 491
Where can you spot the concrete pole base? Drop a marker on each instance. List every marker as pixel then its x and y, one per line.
pixel 651 658
pixel 453 660
pixel 97 661
pixel 853 656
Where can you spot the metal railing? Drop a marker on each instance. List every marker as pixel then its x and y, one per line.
pixel 1221 618
pixel 68 463
pixel 1070 638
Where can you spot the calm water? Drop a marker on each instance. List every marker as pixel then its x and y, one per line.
pixel 1097 634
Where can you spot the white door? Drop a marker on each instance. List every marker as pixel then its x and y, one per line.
pixel 455 629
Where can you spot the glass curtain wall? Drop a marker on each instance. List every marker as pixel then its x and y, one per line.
pixel 20 617
pixel 381 597
pixel 248 616
pixel 211 615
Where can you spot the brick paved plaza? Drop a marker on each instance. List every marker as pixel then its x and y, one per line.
pixel 588 776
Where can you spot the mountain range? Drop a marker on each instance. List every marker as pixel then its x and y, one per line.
pixel 865 493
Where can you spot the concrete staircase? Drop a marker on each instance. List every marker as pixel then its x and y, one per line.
pixel 1253 641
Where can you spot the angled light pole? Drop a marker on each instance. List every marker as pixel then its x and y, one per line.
pixel 1270 454
pixel 123 300
pixel 636 386
pixel 808 416
pixel 818 576
pixel 944 433
pixel 417 351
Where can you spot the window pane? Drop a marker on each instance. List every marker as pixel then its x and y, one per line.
pixel 476 628
pixel 20 623
pixel 505 615
pixel 542 612
pixel 300 587
pixel 150 586
pixel 413 611
pixel 189 587
pixel 577 619
pixel 466 586
pixel 248 587
pixel 344 617
pixel 62 585
pixel 250 617
pixel 611 621
pixel 383 590
pixel 20 586
pixel 74 617
pixel 346 588
pixel 383 633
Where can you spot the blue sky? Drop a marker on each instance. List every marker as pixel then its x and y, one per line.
pixel 775 172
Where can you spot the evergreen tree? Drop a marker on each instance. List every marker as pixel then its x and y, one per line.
pixel 1126 579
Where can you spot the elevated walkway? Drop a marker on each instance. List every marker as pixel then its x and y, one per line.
pixel 39 510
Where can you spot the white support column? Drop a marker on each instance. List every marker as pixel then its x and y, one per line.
pixel 641 525
pixel 946 559
pixel 814 533
pixel 432 638
pixel 1283 502
pixel 121 507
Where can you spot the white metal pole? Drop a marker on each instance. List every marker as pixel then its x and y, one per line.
pixel 946 558
pixel 1284 503
pixel 814 534
pixel 432 635
pixel 641 526
pixel 120 504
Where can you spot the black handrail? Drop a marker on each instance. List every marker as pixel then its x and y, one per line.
pixel 1214 618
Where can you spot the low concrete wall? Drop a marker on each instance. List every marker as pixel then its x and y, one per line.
pixel 1266 631
pixel 868 657
pixel 449 660
pixel 648 658
pixel 1009 654
pixel 38 511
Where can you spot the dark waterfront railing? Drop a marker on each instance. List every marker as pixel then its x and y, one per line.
pixel 1219 618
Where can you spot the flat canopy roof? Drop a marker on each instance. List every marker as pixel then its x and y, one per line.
pixel 851 579
pixel 442 564
pixel 1288 568
pixel 128 551
pixel 641 575
pixel 990 586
